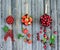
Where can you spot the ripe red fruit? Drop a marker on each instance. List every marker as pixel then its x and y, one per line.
pixel 9 34
pixel 27 20
pixel 40 32
pixel 25 31
pixel 29 35
pixel 10 20
pixel 55 32
pixel 45 20
pixel 44 30
pixel 44 46
pixel 38 37
pixel 29 41
pixel 45 36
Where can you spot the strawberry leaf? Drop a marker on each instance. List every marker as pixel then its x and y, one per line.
pixel 5 28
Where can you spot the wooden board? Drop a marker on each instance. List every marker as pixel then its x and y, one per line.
pixel 36 9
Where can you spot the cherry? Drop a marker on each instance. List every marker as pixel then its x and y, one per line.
pixel 29 35
pixel 55 32
pixel 44 46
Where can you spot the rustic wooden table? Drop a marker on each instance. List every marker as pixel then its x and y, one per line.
pixel 36 9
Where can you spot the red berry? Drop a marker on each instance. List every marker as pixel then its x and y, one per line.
pixel 29 41
pixel 45 20
pixel 25 31
pixel 9 34
pixel 29 35
pixel 38 37
pixel 44 30
pixel 10 20
pixel 45 36
pixel 44 46
pixel 40 32
pixel 5 37
pixel 55 32
pixel 27 20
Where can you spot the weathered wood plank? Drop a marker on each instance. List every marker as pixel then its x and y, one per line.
pixel 8 12
pixel 58 28
pixel 54 17
pixel 0 27
pixel 36 9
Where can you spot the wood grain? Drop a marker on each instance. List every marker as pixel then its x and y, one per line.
pixel 36 9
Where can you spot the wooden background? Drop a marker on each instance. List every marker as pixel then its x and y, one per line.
pixel 36 9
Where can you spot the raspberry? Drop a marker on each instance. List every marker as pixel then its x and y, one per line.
pixel 10 20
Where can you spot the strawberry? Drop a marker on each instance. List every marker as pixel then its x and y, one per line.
pixel 25 31
pixel 29 35
pixel 29 41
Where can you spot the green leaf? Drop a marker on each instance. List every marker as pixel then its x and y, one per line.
pixel 19 36
pixel 53 36
pixel 5 28
pixel 52 39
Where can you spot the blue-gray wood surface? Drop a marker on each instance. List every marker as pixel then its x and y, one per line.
pixel 36 9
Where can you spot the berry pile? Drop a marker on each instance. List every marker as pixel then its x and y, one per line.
pixel 45 20
pixel 10 20
pixel 28 35
pixel 26 20
pixel 9 33
pixel 29 41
